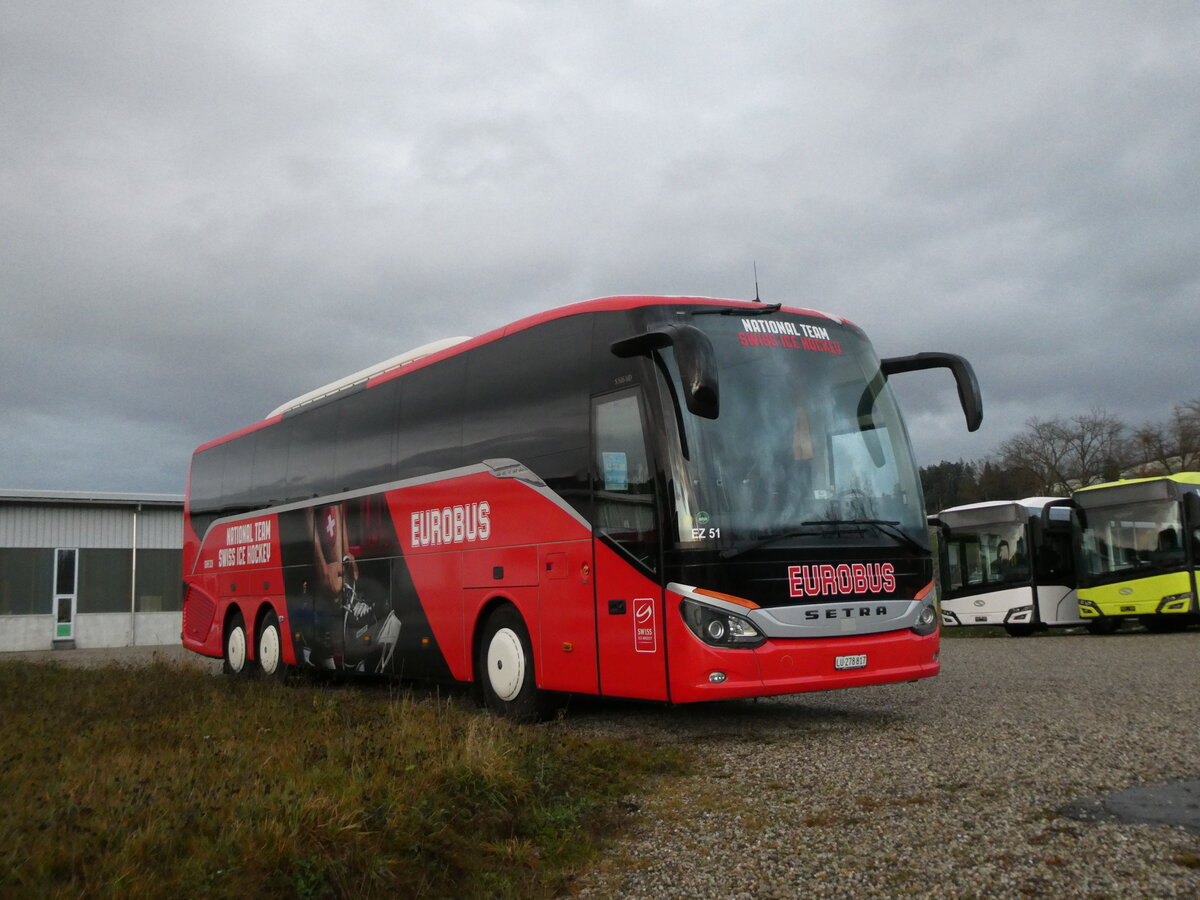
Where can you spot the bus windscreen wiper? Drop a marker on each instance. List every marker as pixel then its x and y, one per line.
pixel 888 527
pixel 739 310
pixel 806 529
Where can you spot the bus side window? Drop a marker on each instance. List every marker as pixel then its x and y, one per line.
pixel 623 481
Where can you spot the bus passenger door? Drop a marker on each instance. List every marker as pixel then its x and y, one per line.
pixel 629 600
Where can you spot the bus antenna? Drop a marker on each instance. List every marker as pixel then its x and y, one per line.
pixel 755 264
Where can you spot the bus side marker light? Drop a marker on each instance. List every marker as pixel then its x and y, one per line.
pixel 716 677
pixel 568 647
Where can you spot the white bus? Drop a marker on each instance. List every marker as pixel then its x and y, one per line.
pixel 1003 562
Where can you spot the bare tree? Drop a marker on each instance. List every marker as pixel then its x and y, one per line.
pixel 1060 455
pixel 1164 448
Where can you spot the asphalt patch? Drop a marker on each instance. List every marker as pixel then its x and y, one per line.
pixel 1176 803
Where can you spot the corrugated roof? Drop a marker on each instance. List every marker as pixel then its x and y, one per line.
pixel 100 498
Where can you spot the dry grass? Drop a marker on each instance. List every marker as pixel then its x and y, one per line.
pixel 161 781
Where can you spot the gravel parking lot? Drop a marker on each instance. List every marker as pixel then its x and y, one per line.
pixel 957 786
pixel 951 787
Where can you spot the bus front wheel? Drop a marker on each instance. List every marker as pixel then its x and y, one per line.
pixel 235 647
pixel 1163 624
pixel 504 667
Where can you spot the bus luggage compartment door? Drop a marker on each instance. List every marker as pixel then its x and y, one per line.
pixel 566 658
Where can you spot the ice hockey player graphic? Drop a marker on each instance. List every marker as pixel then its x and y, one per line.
pixel 357 631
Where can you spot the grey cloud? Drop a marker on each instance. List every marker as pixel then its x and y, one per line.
pixel 210 209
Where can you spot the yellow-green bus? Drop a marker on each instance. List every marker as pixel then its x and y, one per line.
pixel 1139 544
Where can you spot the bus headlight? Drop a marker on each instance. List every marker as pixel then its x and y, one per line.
pixel 718 627
pixel 927 621
pixel 1176 603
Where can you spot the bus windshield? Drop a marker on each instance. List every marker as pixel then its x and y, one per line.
pixel 1130 539
pixel 808 449
pixel 986 556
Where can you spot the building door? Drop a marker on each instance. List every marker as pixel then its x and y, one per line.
pixel 66 581
pixel 629 598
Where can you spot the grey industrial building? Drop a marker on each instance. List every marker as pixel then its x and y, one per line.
pixel 89 569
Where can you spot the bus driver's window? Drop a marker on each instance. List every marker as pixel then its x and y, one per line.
pixel 623 483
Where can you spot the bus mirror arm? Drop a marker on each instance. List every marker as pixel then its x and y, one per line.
pixel 1055 504
pixel 865 403
pixel 683 442
pixel 694 356
pixel 964 379
pixel 1191 509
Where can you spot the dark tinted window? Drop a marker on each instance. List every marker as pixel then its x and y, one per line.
pixel 366 436
pixel 1055 560
pixel 310 460
pixel 270 464
pixel 527 395
pixel 429 438
pixel 205 485
pixel 236 478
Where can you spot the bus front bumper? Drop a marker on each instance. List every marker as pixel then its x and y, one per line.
pixel 701 672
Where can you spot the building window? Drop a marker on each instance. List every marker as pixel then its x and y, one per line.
pixel 104 581
pixel 159 581
pixel 26 581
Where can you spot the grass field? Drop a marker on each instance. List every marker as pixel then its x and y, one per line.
pixel 164 781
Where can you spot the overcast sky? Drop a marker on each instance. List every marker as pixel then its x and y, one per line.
pixel 209 208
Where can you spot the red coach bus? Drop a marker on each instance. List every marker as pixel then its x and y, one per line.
pixel 673 499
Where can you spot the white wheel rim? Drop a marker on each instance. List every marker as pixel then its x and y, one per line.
pixel 268 649
pixel 235 653
pixel 506 664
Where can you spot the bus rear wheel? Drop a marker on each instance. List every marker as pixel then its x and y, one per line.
pixel 235 656
pixel 270 647
pixel 504 667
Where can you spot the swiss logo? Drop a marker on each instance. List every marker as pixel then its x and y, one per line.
pixel 645 634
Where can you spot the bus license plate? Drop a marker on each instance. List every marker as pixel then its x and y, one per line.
pixel 857 661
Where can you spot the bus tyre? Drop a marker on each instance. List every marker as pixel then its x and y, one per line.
pixel 1019 630
pixel 270 647
pixel 1162 624
pixel 1106 625
pixel 235 648
pixel 504 667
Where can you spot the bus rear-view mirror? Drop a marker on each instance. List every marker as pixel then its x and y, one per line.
pixel 693 355
pixel 964 379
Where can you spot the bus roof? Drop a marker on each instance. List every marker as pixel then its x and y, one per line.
pixel 1030 503
pixel 433 352
pixel 1178 477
